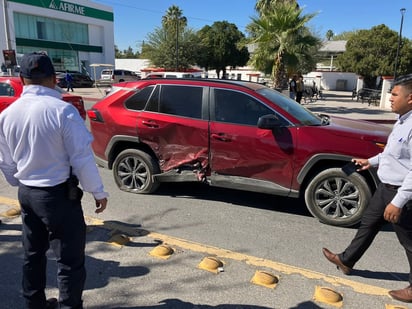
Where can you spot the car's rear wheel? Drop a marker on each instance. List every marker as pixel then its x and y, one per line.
pixel 133 171
pixel 337 199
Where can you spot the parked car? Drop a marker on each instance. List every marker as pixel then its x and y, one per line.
pixel 110 76
pixel 80 80
pixel 234 134
pixel 11 89
pixel 173 75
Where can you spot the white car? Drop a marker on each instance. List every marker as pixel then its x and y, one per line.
pixel 117 76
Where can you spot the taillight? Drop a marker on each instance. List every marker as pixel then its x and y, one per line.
pixel 79 104
pixel 94 115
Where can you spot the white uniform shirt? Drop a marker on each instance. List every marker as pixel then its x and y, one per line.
pixel 41 136
pixel 395 162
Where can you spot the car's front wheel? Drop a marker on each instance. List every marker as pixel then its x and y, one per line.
pixel 337 199
pixel 133 171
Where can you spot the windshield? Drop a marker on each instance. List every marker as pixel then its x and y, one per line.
pixel 292 107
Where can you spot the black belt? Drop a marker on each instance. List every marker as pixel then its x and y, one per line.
pixel 391 186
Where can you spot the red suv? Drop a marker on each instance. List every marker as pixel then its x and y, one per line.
pixel 234 134
pixel 11 89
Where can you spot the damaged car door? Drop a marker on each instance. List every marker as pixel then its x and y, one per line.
pixel 244 156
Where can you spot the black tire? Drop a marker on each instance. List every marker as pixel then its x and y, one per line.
pixel 337 199
pixel 133 172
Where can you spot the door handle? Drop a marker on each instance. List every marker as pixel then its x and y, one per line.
pixel 150 124
pixel 221 137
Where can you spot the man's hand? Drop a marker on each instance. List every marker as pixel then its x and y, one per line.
pixel 363 164
pixel 101 205
pixel 392 213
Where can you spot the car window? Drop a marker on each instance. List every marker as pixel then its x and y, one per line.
pixel 6 90
pixel 236 107
pixel 185 101
pixel 292 107
pixel 139 99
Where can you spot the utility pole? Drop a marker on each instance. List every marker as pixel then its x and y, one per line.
pixel 399 45
pixel 6 25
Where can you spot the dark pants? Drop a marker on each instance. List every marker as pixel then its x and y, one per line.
pixel 299 95
pixel 69 86
pixel 51 220
pixel 373 221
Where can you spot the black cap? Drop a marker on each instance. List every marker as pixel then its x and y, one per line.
pixel 36 65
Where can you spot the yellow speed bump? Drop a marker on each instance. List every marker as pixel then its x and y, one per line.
pixel 162 251
pixel 387 306
pixel 328 296
pixel 12 212
pixel 211 264
pixel 118 240
pixel 265 279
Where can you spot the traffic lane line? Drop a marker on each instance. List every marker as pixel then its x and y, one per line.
pixel 227 254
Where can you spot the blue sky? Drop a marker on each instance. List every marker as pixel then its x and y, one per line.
pixel 134 19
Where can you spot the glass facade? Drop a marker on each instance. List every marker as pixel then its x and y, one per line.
pixel 44 31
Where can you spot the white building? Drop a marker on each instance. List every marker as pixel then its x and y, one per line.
pixel 74 34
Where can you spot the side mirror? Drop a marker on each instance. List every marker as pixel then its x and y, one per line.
pixel 269 122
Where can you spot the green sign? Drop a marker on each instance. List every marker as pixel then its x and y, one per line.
pixel 69 7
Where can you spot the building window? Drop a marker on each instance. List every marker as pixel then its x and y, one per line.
pixel 41 30
pixel 34 27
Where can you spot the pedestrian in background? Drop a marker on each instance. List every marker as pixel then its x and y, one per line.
pixel 69 81
pixel 44 143
pixel 392 200
pixel 292 87
pixel 300 87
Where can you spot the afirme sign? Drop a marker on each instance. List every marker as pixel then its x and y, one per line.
pixel 67 7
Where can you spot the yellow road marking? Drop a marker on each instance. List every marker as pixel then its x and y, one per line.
pixel 223 253
pixel 9 201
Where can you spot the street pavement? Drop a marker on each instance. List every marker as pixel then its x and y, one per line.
pixel 123 271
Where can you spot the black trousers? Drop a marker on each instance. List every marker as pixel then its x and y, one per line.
pixel 299 95
pixel 50 219
pixel 373 221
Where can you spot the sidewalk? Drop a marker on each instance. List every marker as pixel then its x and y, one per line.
pixel 340 103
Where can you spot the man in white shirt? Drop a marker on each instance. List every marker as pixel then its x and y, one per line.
pixel 44 141
pixel 392 200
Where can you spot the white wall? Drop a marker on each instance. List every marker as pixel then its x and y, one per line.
pixel 134 65
pixel 332 80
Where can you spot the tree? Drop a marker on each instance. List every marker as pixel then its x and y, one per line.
pixel 344 36
pixel 263 6
pixel 282 40
pixel 173 21
pixel 329 34
pixel 172 46
pixel 371 53
pixel 127 53
pixel 220 47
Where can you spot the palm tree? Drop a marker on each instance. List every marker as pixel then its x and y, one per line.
pixel 174 19
pixel 329 35
pixel 265 6
pixel 281 34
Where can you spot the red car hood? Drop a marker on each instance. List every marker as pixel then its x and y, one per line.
pixel 353 128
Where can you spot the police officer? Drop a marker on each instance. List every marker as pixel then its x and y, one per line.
pixel 44 141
